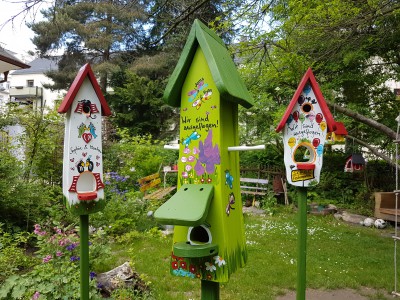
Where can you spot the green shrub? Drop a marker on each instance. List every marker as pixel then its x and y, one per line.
pixel 57 276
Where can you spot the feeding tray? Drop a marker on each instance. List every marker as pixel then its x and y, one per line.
pixel 185 249
pixel 188 207
pixel 87 196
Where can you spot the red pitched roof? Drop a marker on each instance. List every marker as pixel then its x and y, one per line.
pixel 340 129
pixel 85 71
pixel 309 77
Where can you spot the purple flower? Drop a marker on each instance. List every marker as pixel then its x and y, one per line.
pixel 92 275
pixel 74 258
pixel 59 253
pixel 47 258
pixel 35 296
pixel 71 247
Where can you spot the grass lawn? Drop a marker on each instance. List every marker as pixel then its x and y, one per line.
pixel 339 255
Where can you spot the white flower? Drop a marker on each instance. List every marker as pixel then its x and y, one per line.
pixel 219 261
pixel 210 267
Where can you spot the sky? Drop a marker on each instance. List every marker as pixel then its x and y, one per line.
pixel 16 36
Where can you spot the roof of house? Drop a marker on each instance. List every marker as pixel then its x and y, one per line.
pixel 223 70
pixel 39 66
pixel 85 71
pixel 309 77
pixel 9 62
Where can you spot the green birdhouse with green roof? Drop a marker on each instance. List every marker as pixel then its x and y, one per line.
pixel 209 241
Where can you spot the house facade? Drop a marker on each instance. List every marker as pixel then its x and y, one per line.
pixel 26 85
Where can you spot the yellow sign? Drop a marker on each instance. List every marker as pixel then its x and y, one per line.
pixel 301 175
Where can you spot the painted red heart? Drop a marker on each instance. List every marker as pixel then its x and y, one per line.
pixel 87 137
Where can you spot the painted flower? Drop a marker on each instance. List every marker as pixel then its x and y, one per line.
pixel 209 180
pixel 183 265
pixel 209 156
pixel 185 174
pixel 191 158
pixel 188 168
pixel 218 260
pixel 174 265
pixel 186 150
pixel 183 159
pixel 35 296
pixel 196 150
pixel 210 267
pixel 209 277
pixel 192 269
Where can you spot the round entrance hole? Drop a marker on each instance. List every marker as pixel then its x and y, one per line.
pixel 304 153
pixel 199 235
pixel 307 107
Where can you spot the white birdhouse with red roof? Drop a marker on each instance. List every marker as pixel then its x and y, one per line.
pixel 84 106
pixel 305 125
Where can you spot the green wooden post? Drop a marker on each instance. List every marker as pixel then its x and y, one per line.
pixel 302 244
pixel 209 290
pixel 84 262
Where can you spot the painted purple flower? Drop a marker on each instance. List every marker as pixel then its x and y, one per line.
pixel 188 168
pixel 196 150
pixel 185 175
pixel 209 156
pixel 191 158
pixel 183 159
pixel 186 150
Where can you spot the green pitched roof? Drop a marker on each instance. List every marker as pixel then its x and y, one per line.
pixel 223 70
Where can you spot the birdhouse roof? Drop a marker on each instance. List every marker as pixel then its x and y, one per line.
pixel 356 158
pixel 340 129
pixel 309 77
pixel 85 71
pixel 223 70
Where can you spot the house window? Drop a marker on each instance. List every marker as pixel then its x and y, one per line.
pixel 30 83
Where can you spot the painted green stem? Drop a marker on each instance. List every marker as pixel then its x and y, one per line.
pixel 84 244
pixel 302 244
pixel 209 290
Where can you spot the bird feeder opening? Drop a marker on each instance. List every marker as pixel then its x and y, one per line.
pixel 199 235
pixel 304 156
pixel 86 186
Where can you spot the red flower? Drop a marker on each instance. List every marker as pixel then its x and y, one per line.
pixel 174 265
pixel 192 269
pixel 183 265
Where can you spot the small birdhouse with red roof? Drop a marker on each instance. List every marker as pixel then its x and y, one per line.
pixel 305 125
pixel 338 136
pixel 84 106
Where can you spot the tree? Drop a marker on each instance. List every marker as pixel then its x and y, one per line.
pixel 352 46
pixel 138 106
pixel 95 31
